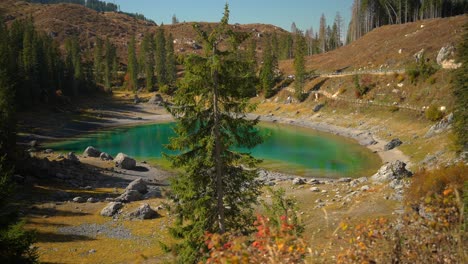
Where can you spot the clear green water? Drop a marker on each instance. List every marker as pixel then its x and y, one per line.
pixel 286 149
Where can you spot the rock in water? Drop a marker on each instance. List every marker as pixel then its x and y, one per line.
pixel 105 156
pixel 393 144
pixel 92 152
pixel 72 157
pixel 144 212
pixel 111 208
pixel 138 185
pixel 125 162
pixel 129 196
pixel 391 171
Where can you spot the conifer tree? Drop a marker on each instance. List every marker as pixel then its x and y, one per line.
pixel 132 65
pixel 111 56
pixel 323 34
pixel 215 193
pixel 267 72
pixel 299 65
pixel 171 74
pixel 98 61
pixel 160 56
pixel 147 60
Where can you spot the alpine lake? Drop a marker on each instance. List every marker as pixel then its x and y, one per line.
pixel 286 149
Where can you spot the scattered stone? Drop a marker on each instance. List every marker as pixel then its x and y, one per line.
pixel 72 157
pixel 314 189
pixel 129 196
pixel 365 188
pixel 441 126
pixel 144 212
pixel 48 151
pixel 60 156
pixel 125 162
pixel 341 180
pixel 155 193
pixel 391 171
pixel 358 181
pixel 79 199
pixel 92 152
pixel 91 251
pixel 111 209
pixel 393 144
pixel 298 181
pixel 313 182
pixel 318 107
pixel 105 156
pixel 138 185
pixel 92 200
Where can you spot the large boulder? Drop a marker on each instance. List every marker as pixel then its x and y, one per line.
pixel 111 208
pixel 125 162
pixel 92 152
pixel 441 126
pixel 144 212
pixel 72 157
pixel 105 156
pixel 138 185
pixel 299 181
pixel 155 193
pixel 445 53
pixel 156 100
pixel 393 144
pixel 129 196
pixel 391 171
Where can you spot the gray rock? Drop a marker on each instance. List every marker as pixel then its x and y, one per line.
pixel 445 53
pixel 105 156
pixel 419 55
pixel 358 181
pixel 72 157
pixel 92 200
pixel 298 181
pixel 441 126
pixel 344 180
pixel 314 189
pixel 111 208
pixel 49 151
pixel 391 171
pixel 92 152
pixel 156 100
pixel 33 144
pixel 125 162
pixel 313 182
pixel 318 107
pixel 138 185
pixel 60 156
pixel 144 212
pixel 393 144
pixel 129 196
pixel 365 188
pixel 79 199
pixel 156 193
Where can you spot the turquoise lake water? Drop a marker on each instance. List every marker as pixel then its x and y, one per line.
pixel 285 148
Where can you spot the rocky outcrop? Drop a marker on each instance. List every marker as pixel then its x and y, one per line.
pixel 105 156
pixel 144 212
pixel 111 209
pixel 92 152
pixel 125 162
pixel 391 171
pixel 72 157
pixel 445 57
pixel 129 196
pixel 393 144
pixel 441 126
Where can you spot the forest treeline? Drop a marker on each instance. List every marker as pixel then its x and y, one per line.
pixel 369 14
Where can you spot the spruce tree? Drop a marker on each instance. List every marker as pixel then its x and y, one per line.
pixel 299 66
pixel 132 65
pixel 108 65
pixel 460 92
pixel 215 193
pixel 98 61
pixel 147 60
pixel 267 72
pixel 171 69
pixel 160 56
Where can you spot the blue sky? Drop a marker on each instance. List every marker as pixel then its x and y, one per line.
pixel 305 13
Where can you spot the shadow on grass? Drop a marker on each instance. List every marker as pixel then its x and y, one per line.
pixel 54 237
pixel 41 212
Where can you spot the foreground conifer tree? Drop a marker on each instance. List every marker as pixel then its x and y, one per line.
pixel 216 192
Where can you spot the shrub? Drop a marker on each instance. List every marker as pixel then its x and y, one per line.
pixel 434 114
pixel 400 78
pixel 394 108
pixel 421 69
pixel 363 86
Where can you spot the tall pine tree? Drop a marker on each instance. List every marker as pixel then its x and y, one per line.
pixel 132 65
pixel 160 57
pixel 215 193
pixel 171 70
pixel 299 65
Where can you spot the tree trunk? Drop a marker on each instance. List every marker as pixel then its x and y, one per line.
pixel 219 174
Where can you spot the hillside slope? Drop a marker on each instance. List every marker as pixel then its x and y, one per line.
pixel 381 47
pixel 65 20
